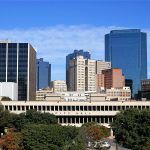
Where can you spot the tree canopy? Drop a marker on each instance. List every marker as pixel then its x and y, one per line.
pixel 48 137
pixel 132 128
pixel 36 131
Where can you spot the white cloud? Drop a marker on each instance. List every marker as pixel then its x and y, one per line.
pixel 54 43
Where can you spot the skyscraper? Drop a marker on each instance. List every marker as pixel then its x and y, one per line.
pixel 18 65
pixel 127 49
pixel 82 74
pixel 43 74
pixel 71 56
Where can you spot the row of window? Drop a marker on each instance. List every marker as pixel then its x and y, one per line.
pixel 85 119
pixel 73 108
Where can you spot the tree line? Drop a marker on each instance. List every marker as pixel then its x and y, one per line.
pixel 34 130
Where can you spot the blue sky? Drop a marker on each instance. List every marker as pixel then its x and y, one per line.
pixel 56 28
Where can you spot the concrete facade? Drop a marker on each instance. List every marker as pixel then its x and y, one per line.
pixel 58 86
pixel 77 113
pixel 82 74
pixel 76 96
pixel 9 89
pixel 102 65
pixel 41 94
pixel 121 94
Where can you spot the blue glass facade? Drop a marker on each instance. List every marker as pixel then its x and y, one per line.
pixel 127 49
pixel 43 74
pixel 73 55
pixel 16 66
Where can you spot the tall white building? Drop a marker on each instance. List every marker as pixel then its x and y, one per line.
pixel 82 74
pixel 90 76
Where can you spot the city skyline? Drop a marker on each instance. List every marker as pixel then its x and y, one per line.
pixel 64 26
pixel 127 49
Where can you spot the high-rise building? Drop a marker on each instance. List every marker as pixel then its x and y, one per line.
pixel 18 65
pixel 82 74
pixel 101 65
pixel 113 78
pixel 43 74
pixel 127 49
pixel 71 56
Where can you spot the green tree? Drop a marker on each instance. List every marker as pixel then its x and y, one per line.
pixel 1 107
pixel 34 117
pixel 51 136
pixel 132 128
pixel 5 98
pixel 6 120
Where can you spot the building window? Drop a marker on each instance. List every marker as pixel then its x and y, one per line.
pixel 102 108
pixel 56 108
pixel 52 108
pixel 85 108
pixel 48 108
pixel 98 108
pixel 77 108
pixel 60 108
pixel 23 108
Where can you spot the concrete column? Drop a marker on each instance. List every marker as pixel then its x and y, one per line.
pixel 104 119
pixel 70 119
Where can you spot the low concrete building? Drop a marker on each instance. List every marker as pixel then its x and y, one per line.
pixel 41 94
pixel 121 94
pixel 58 86
pixel 77 113
pixel 9 89
pixel 76 96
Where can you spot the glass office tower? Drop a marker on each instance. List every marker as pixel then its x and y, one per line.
pixel 17 64
pixel 85 54
pixel 43 74
pixel 127 49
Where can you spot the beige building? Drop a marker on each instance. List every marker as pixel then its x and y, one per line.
pixel 82 74
pixel 74 96
pixel 113 78
pixel 77 113
pixel 58 86
pixel 90 83
pixel 121 94
pixel 41 94
pixel 100 66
